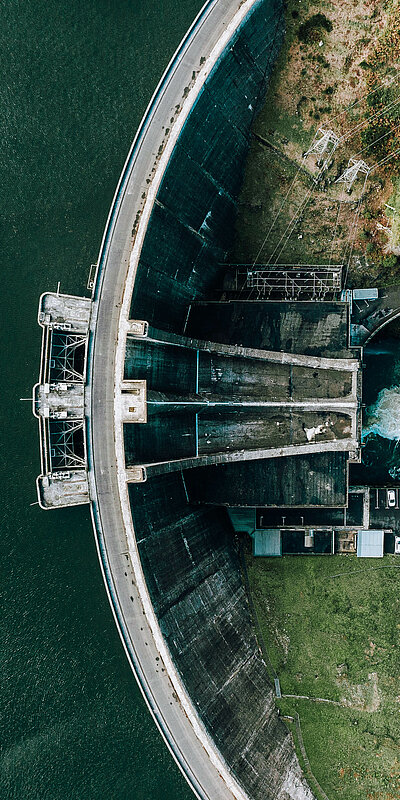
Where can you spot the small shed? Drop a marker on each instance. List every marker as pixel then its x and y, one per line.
pixel 267 542
pixel 370 544
pixel 365 294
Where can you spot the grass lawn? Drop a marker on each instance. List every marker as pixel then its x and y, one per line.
pixel 331 627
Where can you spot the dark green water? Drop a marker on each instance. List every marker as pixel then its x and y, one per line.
pixel 75 80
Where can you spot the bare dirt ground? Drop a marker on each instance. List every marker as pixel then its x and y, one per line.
pixel 338 71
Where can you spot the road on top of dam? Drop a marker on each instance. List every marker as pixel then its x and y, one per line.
pixel 208 780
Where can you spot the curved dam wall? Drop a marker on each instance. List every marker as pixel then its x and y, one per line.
pixel 187 552
pixel 191 227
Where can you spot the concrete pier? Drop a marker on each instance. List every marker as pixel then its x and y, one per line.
pixel 58 400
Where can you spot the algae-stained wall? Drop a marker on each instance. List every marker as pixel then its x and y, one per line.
pixel 193 576
pixel 191 227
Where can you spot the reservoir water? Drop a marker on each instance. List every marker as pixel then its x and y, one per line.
pixel 76 78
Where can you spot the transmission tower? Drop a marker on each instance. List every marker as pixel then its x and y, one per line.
pixel 354 167
pixel 325 145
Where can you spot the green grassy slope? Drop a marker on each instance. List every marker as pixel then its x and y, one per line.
pixel 331 627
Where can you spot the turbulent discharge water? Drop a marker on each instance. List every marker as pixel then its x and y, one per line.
pixel 383 417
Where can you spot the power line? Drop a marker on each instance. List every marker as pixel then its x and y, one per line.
pixel 334 232
pixel 350 245
pixel 363 97
pixel 377 140
pixel 287 233
pixel 278 212
pixel 285 237
pixel 387 158
pixel 365 122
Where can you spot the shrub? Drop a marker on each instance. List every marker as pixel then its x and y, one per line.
pixel 309 30
pixel 389 263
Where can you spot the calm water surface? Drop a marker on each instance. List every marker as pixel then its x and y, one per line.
pixel 75 80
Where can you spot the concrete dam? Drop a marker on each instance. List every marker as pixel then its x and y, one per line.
pixel 162 402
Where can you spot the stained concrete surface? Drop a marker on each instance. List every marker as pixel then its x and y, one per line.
pixel 294 327
pixel 313 480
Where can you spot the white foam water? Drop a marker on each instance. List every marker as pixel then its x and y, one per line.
pixel 383 417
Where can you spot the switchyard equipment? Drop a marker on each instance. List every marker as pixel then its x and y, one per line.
pixel 289 281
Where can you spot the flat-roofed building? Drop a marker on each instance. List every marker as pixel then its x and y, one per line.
pixel 370 544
